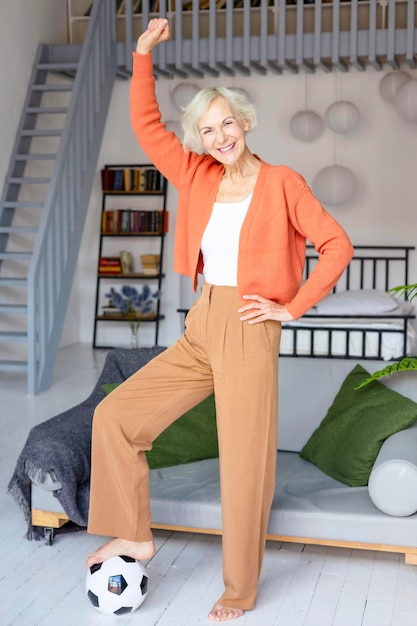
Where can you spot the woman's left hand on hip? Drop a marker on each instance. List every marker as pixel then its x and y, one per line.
pixel 260 309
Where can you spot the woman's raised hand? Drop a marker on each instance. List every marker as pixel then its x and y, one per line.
pixel 157 32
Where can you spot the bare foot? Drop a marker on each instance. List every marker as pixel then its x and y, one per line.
pixel 221 613
pixel 141 551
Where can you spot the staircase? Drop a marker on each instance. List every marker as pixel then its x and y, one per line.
pixel 46 193
pixel 24 196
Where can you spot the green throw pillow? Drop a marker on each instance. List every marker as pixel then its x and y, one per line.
pixel 192 437
pixel 346 443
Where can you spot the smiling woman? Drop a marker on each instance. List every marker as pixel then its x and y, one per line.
pixel 240 108
pixel 241 223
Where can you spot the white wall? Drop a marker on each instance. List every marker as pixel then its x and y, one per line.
pixel 381 152
pixel 23 25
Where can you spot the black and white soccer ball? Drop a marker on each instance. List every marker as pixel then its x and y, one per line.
pixel 117 586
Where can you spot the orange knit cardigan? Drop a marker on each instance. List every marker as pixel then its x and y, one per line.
pixel 283 213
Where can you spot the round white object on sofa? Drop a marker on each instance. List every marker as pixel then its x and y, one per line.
pixel 392 484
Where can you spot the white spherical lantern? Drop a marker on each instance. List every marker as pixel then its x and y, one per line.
pixel 182 95
pixel 405 101
pixel 306 126
pixel 334 185
pixel 390 83
pixel 342 117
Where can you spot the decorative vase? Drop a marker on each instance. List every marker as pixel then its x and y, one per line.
pixel 134 335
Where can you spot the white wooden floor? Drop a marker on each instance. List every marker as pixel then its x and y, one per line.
pixel 300 585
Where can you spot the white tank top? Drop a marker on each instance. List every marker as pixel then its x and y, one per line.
pixel 220 242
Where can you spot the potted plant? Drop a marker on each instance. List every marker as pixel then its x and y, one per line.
pixel 134 305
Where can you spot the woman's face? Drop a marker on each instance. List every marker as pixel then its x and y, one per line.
pixel 222 133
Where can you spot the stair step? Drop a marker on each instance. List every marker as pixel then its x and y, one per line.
pixel 23 205
pixel 42 133
pixel 13 282
pixel 13 366
pixel 52 87
pixel 20 230
pixel 30 181
pixel 35 157
pixel 13 308
pixel 46 110
pixel 60 66
pixel 23 256
pixel 13 336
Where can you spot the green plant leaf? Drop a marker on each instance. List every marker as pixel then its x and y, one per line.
pixel 400 290
pixel 404 365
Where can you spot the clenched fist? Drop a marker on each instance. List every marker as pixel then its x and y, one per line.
pixel 157 32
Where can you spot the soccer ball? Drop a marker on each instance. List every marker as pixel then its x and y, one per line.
pixel 117 586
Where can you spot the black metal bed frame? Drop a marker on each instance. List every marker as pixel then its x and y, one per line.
pixel 372 267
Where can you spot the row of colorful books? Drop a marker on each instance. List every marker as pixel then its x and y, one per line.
pixel 138 179
pixel 134 221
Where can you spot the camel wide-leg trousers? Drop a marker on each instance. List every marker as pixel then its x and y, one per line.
pixel 239 362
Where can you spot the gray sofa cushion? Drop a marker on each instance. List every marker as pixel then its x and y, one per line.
pixel 307 503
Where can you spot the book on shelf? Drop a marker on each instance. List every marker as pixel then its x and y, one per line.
pixel 109 265
pixel 134 221
pixel 150 264
pixel 118 184
pixel 107 179
pixel 132 179
pixel 150 258
pixel 111 310
pixel 150 271
pixel 109 260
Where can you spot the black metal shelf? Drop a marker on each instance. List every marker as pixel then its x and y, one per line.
pixel 139 276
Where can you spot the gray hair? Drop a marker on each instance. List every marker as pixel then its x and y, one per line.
pixel 240 105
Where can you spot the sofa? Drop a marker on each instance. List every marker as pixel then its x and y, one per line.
pixel 374 508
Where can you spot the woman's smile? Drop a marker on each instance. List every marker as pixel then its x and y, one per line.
pixel 228 148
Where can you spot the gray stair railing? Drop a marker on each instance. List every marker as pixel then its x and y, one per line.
pixel 227 37
pixel 56 248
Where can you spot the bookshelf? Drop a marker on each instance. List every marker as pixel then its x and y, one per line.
pixel 133 224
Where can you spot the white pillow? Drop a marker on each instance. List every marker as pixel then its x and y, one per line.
pixel 392 484
pixel 357 302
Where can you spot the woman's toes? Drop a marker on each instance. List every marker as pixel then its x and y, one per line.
pixel 221 613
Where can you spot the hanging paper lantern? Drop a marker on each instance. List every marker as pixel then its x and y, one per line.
pixel 405 101
pixel 390 83
pixel 342 117
pixel 306 125
pixel 334 185
pixel 182 95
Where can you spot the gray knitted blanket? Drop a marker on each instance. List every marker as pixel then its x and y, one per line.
pixel 60 447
